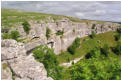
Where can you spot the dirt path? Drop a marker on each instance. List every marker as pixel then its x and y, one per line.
pixel 68 64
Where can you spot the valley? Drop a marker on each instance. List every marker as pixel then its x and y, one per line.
pixel 40 46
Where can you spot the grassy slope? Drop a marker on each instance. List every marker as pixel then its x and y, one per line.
pixel 87 44
pixel 12 17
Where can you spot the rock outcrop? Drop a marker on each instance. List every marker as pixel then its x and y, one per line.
pixel 71 31
pixel 17 65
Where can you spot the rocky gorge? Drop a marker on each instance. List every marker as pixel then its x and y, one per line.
pixel 70 29
pixel 17 58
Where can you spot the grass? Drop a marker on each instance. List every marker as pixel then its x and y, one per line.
pixel 13 74
pixel 88 44
pixel 21 40
pixel 4 66
pixel 14 18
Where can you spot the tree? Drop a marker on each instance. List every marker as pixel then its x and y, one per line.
pixel 105 50
pixel 92 35
pixel 39 53
pixel 117 49
pixel 49 59
pixel 26 27
pixel 119 30
pixel 93 53
pixel 93 26
pixel 14 34
pixel 96 69
pixel 74 46
pixel 72 62
pixel 117 37
pixel 48 31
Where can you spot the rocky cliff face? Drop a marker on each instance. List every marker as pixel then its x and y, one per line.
pixel 61 42
pixel 17 65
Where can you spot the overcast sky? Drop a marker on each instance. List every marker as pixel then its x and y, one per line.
pixel 106 11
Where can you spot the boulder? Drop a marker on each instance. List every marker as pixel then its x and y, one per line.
pixel 29 68
pixel 11 49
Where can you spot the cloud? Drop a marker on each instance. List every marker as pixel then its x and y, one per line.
pixel 94 10
pixel 79 14
pixel 100 12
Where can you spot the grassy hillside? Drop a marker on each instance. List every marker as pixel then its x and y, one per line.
pixel 13 18
pixel 88 44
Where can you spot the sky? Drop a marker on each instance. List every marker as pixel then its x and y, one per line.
pixel 93 10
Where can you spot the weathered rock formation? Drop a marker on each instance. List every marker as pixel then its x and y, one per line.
pixel 71 31
pixel 17 65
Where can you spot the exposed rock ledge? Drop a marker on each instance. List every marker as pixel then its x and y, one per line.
pixel 71 31
pixel 24 67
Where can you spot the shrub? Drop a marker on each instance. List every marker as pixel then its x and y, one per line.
pixel 74 46
pixel 93 26
pixel 13 74
pixel 72 62
pixel 6 36
pixel 93 53
pixel 71 49
pixel 105 50
pixel 49 59
pixel 48 31
pixel 117 37
pixel 96 69
pixel 73 30
pixel 59 32
pixel 119 30
pixel 93 32
pixel 92 35
pixel 117 49
pixel 14 34
pixel 39 53
pixel 26 27
pixel 68 59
